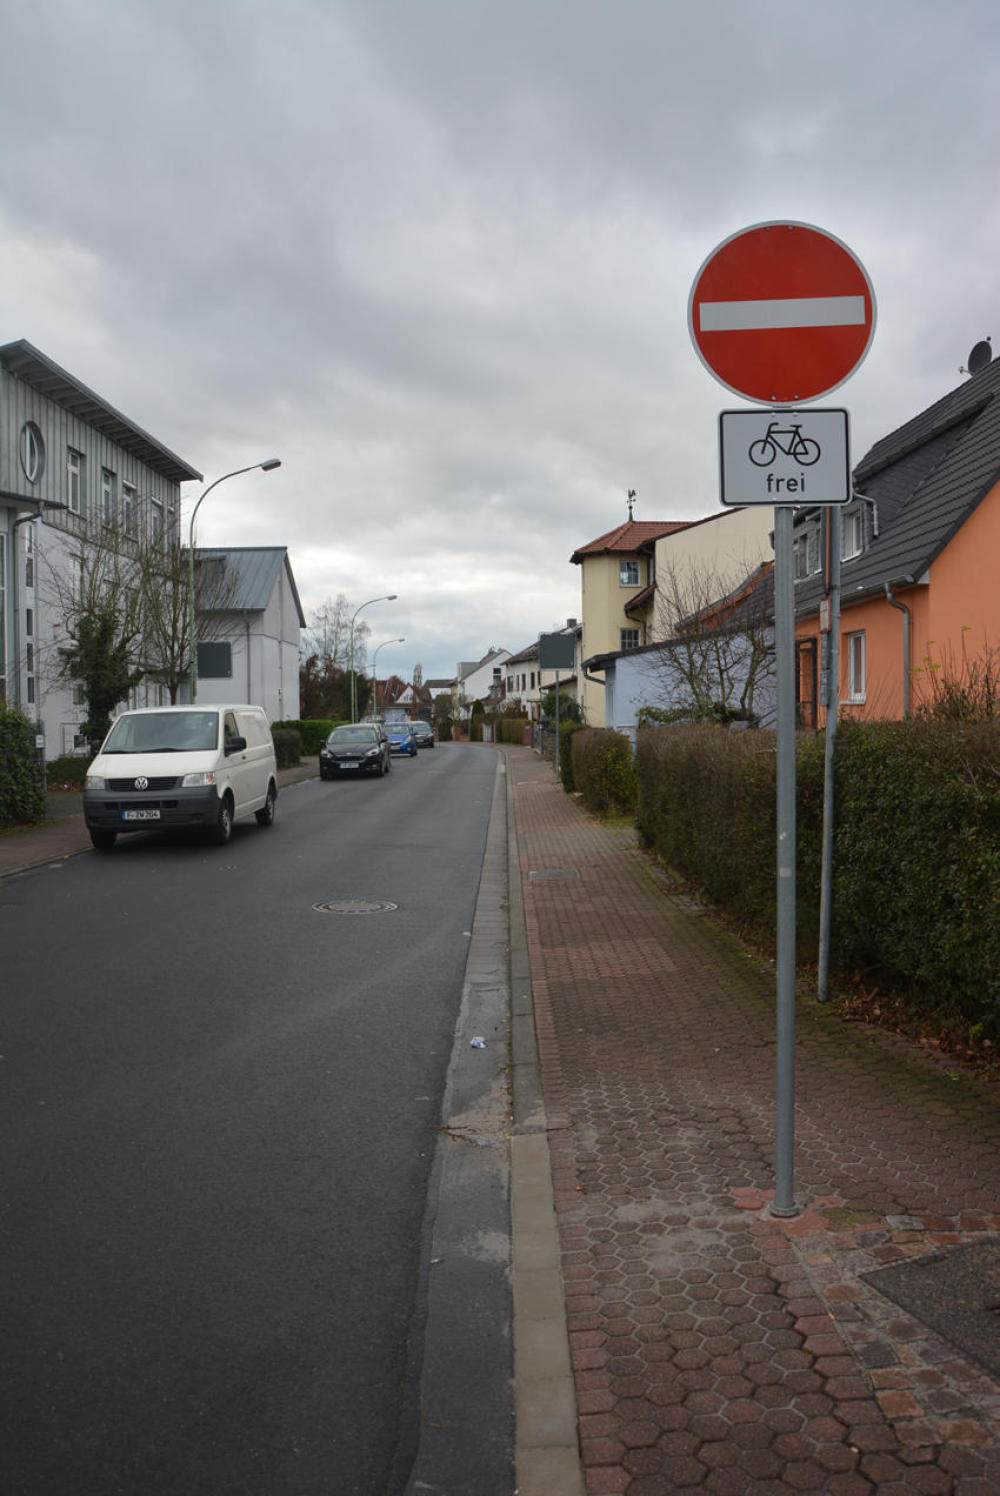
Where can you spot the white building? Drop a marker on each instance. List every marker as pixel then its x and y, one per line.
pixel 248 649
pixel 73 472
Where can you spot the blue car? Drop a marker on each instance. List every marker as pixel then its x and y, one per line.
pixel 401 739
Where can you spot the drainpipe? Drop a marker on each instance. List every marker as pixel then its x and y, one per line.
pixel 895 603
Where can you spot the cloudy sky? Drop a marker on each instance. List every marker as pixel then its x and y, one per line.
pixel 436 256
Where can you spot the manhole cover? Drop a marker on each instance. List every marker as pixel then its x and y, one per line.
pixel 354 906
pixel 957 1295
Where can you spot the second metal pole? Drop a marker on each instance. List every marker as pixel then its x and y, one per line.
pixel 784 632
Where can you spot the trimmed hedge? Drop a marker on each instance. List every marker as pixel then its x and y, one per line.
pixel 70 770
pixel 567 732
pixel 509 729
pixel 916 888
pixel 22 787
pixel 313 733
pixel 603 770
pixel 287 747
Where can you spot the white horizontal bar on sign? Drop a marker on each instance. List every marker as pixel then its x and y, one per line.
pixel 793 311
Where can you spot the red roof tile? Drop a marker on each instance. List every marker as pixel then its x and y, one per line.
pixel 629 537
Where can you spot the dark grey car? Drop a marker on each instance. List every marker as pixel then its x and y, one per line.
pixel 361 748
pixel 423 734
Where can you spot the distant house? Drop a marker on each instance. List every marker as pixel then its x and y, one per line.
pixel 528 682
pixel 617 577
pixel 479 680
pixel 920 547
pixel 395 698
pixel 717 665
pixel 248 647
pixel 697 569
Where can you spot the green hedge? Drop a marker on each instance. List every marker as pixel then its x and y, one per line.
pixel 22 787
pixel 603 770
pixel 287 746
pixel 313 733
pixel 916 888
pixel 509 729
pixel 567 732
pixel 70 770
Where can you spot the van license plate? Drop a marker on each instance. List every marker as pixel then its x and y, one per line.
pixel 140 815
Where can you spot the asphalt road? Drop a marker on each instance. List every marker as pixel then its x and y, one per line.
pixel 219 1117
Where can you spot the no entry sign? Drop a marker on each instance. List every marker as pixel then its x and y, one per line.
pixel 782 313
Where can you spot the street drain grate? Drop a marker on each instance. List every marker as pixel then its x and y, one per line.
pixel 957 1295
pixel 355 906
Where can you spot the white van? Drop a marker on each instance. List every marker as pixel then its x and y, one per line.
pixel 181 766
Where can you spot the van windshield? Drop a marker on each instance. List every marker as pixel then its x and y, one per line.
pixel 164 732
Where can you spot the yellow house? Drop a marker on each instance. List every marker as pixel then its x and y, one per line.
pixel 617 587
pixel 697 564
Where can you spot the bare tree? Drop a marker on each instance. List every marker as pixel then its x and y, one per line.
pixel 324 671
pixel 716 659
pixel 165 578
pixel 100 601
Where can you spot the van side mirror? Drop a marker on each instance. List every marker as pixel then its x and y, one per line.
pixel 235 745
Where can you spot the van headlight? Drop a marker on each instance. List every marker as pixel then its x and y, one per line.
pixel 196 781
pixel 95 782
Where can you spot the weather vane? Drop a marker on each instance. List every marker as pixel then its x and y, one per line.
pixel 631 501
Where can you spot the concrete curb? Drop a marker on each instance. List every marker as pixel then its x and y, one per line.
pixel 547 1453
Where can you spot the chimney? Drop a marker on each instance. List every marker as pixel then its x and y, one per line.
pixel 571 623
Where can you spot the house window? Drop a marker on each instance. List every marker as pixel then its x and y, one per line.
pixel 79 695
pixel 215 660
pixel 155 521
pixel 76 472
pixel 532 680
pixel 852 535
pixel 856 666
pixel 807 557
pixel 29 623
pixel 628 573
pixel 29 555
pixel 629 639
pixel 109 496
pixel 129 509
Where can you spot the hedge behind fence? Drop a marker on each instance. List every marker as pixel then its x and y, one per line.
pixel 603 770
pixel 916 892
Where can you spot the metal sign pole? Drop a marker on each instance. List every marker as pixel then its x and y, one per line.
pixel 784 630
pixel 558 765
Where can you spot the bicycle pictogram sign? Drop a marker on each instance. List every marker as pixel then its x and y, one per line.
pixel 787 439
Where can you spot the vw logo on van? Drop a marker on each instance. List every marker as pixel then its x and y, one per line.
pixel 142 783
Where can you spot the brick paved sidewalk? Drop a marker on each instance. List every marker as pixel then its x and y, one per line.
pixel 715 1347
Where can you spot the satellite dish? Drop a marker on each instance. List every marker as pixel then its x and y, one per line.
pixel 980 356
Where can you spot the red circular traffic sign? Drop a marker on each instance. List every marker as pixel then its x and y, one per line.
pixel 782 313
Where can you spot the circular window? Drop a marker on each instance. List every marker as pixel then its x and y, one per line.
pixel 32 450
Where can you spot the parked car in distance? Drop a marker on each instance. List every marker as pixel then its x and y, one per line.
pixel 359 749
pixel 191 767
pixel 401 739
pixel 423 734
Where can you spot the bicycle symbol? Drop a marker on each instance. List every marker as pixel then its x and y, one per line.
pixel 801 449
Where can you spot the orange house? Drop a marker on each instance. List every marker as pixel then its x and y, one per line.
pixel 920 552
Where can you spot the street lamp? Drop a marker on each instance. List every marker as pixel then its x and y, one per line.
pixel 265 467
pixel 374 655
pixel 390 597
